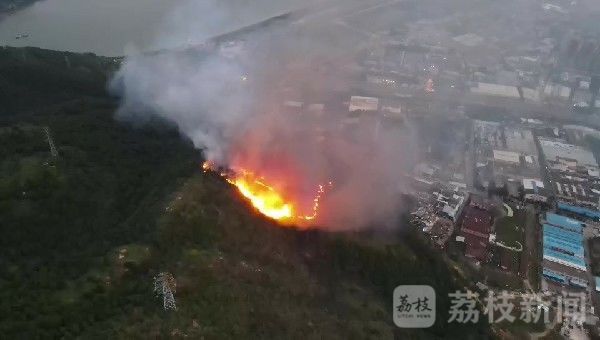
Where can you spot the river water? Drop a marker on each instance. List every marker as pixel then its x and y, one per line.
pixel 117 27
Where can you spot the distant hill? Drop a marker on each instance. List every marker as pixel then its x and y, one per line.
pixel 84 233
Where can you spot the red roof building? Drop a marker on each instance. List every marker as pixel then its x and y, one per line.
pixel 476 228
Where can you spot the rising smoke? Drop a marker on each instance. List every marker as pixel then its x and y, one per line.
pixel 229 100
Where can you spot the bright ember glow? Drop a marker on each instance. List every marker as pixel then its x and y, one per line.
pixel 266 199
pixel 263 197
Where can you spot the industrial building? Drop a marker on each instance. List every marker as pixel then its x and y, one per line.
pixel 557 150
pixel 573 172
pixel 506 158
pixel 580 211
pixel 578 133
pixel 512 154
pixel 476 228
pixel 438 205
pixel 532 186
pixel 564 254
pixel 366 104
pixel 496 90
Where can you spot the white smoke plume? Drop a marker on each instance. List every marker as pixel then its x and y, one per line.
pixel 229 100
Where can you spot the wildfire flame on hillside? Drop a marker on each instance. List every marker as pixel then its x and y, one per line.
pixel 267 200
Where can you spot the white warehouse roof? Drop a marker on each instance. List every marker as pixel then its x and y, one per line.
pixel 358 103
pixel 496 90
pixel 506 156
pixel 530 183
pixel 556 148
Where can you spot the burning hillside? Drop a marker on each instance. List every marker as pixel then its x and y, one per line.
pixel 271 201
pixel 282 126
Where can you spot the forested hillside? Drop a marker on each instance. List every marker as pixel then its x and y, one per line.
pixel 85 232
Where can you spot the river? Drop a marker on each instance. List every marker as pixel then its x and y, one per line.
pixel 117 27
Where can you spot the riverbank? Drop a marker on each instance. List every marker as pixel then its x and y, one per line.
pixel 105 28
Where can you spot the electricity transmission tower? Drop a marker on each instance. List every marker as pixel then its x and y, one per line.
pixel 165 285
pixel 53 150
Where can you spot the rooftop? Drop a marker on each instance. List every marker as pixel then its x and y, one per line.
pixel 520 140
pixel 476 248
pixel 563 246
pixel 564 222
pixel 566 270
pixel 495 90
pixel 358 103
pixel 531 183
pixel 564 259
pixel 582 211
pixel 554 149
pixel 506 156
pixel 477 222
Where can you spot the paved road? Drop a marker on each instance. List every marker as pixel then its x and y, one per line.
pixel 470 159
pixel 532 242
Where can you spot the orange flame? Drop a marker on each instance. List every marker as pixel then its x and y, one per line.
pixel 263 197
pixel 266 199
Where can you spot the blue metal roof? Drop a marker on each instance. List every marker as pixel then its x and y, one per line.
pixel 565 222
pixel 574 249
pixel 579 210
pixel 562 234
pixel 577 262
pixel 554 276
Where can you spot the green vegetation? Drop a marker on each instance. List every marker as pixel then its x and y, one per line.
pixel 276 282
pixel 33 80
pixel 510 230
pixel 520 329
pixel 61 217
pixel 84 233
